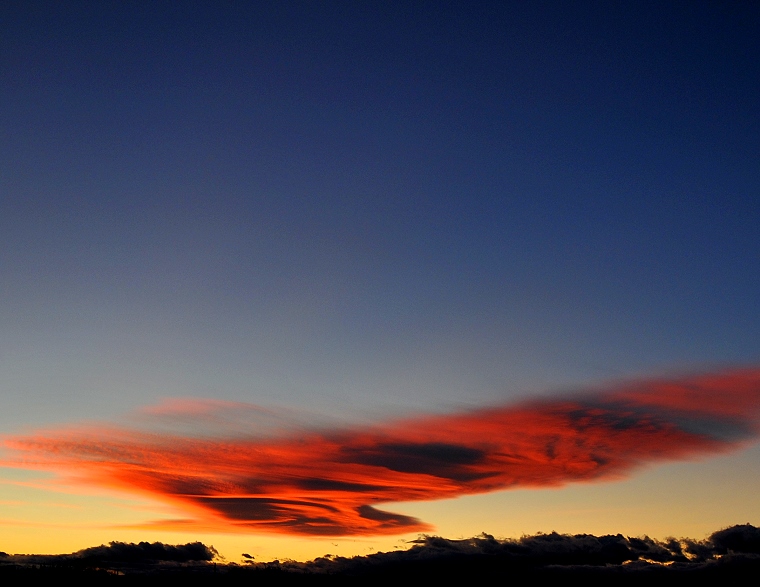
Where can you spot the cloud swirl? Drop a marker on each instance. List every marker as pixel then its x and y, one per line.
pixel 330 481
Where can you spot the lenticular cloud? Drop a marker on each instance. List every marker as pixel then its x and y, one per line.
pixel 331 480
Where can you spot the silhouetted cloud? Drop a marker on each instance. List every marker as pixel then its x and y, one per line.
pixel 485 556
pixel 329 481
pixel 124 552
pixel 127 554
pixel 728 553
pixel 744 538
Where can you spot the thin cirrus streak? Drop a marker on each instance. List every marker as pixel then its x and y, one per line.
pixel 329 481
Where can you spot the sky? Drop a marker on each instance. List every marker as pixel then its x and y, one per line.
pixel 400 236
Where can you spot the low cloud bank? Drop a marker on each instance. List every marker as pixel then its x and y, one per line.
pixel 330 481
pixel 546 551
pixel 730 551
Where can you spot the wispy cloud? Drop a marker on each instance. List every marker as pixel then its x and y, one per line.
pixel 329 481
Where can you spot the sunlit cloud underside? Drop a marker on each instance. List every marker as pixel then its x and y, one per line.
pixel 331 480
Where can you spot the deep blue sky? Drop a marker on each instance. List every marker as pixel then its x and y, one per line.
pixel 358 206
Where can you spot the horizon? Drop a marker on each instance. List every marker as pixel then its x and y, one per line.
pixel 727 553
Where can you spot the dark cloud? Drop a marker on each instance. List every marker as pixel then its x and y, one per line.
pixel 125 554
pixel 726 555
pixel 306 516
pixel 387 519
pixel 255 508
pixel 329 481
pixel 609 556
pixel 438 459
pixel 335 485
pixel 744 538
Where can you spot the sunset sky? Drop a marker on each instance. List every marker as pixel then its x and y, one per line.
pixel 297 278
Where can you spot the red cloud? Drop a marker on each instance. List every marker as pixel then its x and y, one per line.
pixel 329 481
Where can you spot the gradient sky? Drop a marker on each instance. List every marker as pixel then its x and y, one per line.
pixel 365 212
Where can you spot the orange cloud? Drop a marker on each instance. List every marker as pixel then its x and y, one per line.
pixel 330 481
